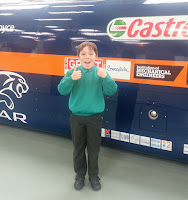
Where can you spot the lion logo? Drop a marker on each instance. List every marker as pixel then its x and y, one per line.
pixel 11 82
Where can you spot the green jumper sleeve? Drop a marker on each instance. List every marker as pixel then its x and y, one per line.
pixel 66 84
pixel 109 85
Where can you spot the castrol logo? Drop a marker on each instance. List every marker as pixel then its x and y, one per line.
pixel 149 28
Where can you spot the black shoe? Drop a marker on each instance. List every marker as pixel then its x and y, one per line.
pixel 95 184
pixel 79 183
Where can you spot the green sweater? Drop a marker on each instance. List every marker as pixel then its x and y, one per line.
pixel 87 93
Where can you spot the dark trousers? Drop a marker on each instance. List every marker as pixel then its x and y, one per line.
pixel 86 132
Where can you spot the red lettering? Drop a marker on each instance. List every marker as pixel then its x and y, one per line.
pixel 184 32
pixel 158 29
pixel 129 33
pixel 168 26
pixel 78 63
pixel 71 64
pixel 177 28
pixel 146 30
pixel 165 29
pixel 107 131
pixel 98 63
pixel 169 145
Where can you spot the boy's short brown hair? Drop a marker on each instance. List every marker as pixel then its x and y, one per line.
pixel 90 45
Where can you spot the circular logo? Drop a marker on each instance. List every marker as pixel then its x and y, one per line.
pixel 117 28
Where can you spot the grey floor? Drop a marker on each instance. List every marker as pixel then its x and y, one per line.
pixel 38 166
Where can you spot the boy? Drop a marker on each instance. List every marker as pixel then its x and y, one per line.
pixel 86 85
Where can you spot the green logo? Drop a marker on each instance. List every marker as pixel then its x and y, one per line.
pixel 117 28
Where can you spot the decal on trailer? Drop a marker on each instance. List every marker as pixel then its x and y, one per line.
pixel 7 28
pixel 157 72
pixel 71 62
pixel 149 28
pixel 12 85
pixel 155 143
pixel 119 69
pixel 185 150
pixel 139 140
pixel 166 145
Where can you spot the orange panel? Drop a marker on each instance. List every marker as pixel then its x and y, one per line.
pixel 55 65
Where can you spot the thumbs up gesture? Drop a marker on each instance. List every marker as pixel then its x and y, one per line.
pixel 102 72
pixel 76 75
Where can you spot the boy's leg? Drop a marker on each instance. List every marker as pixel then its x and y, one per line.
pixel 79 138
pixel 94 125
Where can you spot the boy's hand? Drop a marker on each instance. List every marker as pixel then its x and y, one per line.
pixel 102 72
pixel 76 75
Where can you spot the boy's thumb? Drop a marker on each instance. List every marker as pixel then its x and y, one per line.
pixel 75 68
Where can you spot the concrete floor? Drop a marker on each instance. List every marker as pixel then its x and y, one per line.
pixel 38 166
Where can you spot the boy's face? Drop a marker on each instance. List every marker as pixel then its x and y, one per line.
pixel 87 57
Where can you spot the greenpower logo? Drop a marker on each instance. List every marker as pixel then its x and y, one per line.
pixel 117 28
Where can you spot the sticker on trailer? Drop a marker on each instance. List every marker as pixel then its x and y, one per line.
pixel 145 141
pixel 155 143
pixel 157 72
pixel 107 133
pixel 119 69
pixel 185 151
pixel 135 139
pixel 124 137
pixel 115 135
pixel 71 62
pixel 166 145
pixel 102 132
